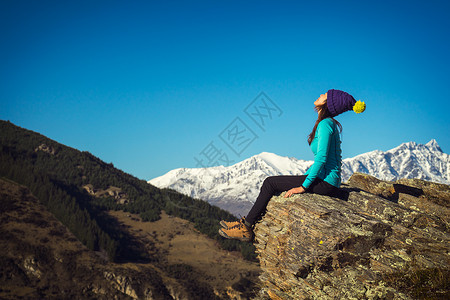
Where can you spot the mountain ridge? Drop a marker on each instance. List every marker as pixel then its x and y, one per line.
pixel 58 176
pixel 80 190
pixel 235 188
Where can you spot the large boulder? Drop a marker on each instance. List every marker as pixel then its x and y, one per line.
pixel 386 240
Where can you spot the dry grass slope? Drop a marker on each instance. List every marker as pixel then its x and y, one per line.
pixel 40 258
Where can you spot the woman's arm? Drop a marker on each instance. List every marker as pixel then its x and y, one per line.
pixel 324 132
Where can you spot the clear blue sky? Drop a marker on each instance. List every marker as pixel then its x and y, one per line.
pixel 148 85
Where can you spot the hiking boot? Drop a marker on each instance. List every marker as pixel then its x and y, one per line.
pixel 239 231
pixel 228 225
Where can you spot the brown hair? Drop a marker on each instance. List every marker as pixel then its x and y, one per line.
pixel 323 114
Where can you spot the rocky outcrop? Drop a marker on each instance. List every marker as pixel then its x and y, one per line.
pixel 111 191
pixel 47 149
pixel 127 286
pixel 381 242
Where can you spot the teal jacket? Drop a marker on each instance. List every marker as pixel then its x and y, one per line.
pixel 326 147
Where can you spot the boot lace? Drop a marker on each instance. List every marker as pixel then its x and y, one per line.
pixel 239 225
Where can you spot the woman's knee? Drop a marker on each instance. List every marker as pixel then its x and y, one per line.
pixel 268 181
pixel 267 184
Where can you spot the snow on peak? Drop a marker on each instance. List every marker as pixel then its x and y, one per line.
pixel 405 146
pixel 433 145
pixel 279 163
pixel 408 160
pixel 268 156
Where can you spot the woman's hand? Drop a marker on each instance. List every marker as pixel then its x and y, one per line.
pixel 297 190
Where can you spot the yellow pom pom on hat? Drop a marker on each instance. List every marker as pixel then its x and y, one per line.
pixel 359 107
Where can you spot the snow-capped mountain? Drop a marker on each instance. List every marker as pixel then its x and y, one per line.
pixel 409 160
pixel 236 187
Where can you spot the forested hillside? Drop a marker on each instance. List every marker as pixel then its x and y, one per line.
pixel 78 188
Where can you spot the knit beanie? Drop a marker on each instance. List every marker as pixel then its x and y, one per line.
pixel 340 101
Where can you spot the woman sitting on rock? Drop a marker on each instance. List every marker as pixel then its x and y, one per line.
pixel 323 177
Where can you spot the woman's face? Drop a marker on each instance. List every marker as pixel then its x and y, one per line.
pixel 321 100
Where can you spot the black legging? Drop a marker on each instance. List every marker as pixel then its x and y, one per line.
pixel 276 184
